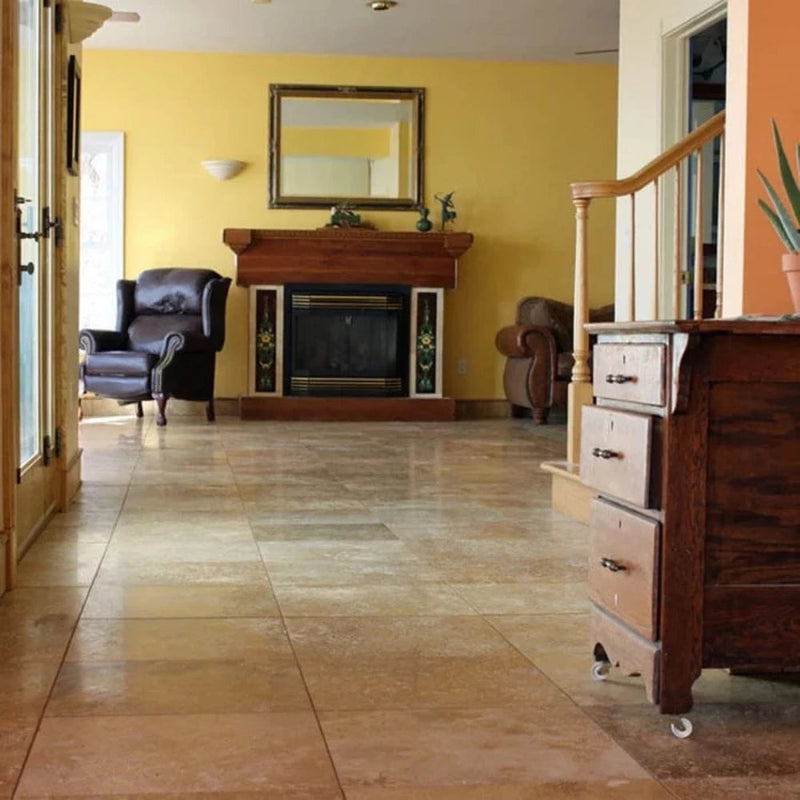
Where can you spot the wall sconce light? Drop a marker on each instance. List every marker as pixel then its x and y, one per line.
pixel 84 19
pixel 222 168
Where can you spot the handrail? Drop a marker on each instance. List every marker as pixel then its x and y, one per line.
pixel 580 388
pixel 658 166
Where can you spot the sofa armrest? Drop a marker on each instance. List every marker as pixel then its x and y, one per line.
pixel 96 341
pixel 526 341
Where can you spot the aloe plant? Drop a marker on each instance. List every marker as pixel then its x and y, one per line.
pixel 779 215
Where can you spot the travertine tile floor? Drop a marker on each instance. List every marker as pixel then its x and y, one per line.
pixel 312 611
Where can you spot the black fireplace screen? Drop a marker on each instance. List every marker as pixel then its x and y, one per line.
pixel 347 341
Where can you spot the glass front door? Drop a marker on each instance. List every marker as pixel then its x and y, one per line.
pixel 29 203
pixel 34 180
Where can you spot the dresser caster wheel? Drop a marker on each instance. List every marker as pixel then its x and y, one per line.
pixel 682 731
pixel 600 670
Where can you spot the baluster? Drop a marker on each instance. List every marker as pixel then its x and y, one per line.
pixel 676 258
pixel 657 251
pixel 580 369
pixel 632 268
pixel 580 389
pixel 698 237
pixel 720 227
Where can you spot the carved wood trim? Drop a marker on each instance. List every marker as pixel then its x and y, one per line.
pixel 346 255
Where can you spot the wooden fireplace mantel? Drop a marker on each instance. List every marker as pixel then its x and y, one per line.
pixel 347 256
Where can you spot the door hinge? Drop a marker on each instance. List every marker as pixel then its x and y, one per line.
pixel 47 3
pixel 48 223
pixel 46 450
pixel 59 442
pixel 58 18
pixel 19 475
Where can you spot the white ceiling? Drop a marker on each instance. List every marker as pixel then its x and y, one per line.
pixel 515 30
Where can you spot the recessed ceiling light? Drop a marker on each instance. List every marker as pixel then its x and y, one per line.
pixel 381 5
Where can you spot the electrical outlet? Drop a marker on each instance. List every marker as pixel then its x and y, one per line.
pixel 461 366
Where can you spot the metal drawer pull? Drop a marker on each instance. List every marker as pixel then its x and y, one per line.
pixel 620 378
pixel 614 566
pixel 598 452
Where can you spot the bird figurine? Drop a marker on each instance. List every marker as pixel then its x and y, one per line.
pixel 448 207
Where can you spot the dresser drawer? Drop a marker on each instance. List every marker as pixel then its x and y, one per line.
pixel 628 651
pixel 623 566
pixel 615 453
pixel 632 372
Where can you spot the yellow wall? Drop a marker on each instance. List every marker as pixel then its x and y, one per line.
pixel 507 137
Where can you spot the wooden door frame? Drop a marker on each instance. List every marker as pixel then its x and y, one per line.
pixel 675 85
pixel 8 273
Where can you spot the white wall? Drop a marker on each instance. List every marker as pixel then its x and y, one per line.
pixel 643 103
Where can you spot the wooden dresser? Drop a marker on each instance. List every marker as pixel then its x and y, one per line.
pixel 693 448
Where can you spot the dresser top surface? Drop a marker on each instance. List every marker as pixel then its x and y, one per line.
pixel 748 325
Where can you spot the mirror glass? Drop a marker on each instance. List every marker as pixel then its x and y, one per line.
pixel 359 146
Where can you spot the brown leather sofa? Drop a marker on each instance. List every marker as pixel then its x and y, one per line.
pixel 170 327
pixel 538 351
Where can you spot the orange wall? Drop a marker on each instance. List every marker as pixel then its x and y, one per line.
pixel 773 31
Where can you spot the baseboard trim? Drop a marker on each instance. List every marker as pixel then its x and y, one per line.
pixel 350 409
pixel 482 409
pixel 93 406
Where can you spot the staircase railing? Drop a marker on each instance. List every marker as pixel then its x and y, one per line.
pixel 651 177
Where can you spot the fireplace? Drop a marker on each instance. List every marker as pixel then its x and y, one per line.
pixel 345 341
pixel 346 323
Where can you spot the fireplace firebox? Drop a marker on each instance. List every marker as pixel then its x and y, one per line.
pixel 346 341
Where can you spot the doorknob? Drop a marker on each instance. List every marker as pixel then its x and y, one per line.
pixel 25 268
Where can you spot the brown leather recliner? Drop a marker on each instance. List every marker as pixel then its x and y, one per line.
pixel 170 327
pixel 538 349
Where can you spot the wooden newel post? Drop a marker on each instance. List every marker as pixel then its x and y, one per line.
pixel 580 390
pixel 580 339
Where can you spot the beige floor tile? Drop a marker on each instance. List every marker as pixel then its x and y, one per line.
pixel 558 790
pixel 233 686
pixel 182 573
pixel 178 640
pixel 740 788
pixel 322 533
pixel 458 748
pixel 525 598
pixel 191 499
pixel 427 604
pixel 414 662
pixel 341 563
pixel 26 686
pixel 108 600
pixel 16 735
pixel 738 740
pixel 537 634
pixel 64 563
pixel 279 755
pixel 145 527
pixel 128 552
pixel 417 599
pixel 466 560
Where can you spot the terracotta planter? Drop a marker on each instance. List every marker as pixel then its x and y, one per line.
pixel 791 268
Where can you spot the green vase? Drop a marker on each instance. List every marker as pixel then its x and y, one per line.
pixel 423 223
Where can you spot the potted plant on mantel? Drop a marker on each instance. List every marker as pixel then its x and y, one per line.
pixel 786 223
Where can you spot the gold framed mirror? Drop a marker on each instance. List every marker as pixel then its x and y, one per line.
pixel 360 146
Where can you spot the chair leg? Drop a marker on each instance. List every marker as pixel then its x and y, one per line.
pixel 210 411
pixel 161 408
pixel 540 415
pixel 139 410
